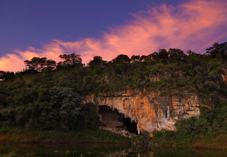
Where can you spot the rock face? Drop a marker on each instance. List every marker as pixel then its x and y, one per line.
pixel 116 122
pixel 150 110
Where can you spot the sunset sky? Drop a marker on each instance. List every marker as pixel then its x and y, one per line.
pixel 48 28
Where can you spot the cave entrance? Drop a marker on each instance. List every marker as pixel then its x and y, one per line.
pixel 111 119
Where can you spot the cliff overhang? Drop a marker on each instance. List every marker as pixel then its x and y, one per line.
pixel 149 109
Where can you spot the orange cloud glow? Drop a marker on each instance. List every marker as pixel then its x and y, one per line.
pixel 194 25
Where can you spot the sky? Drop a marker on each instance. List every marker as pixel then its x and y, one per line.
pixel 106 28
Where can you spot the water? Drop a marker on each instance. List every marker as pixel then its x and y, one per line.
pixel 100 150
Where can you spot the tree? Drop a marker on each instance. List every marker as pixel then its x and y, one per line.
pixel 163 55
pixel 50 65
pixel 145 58
pixel 135 58
pixel 35 63
pixel 219 51
pixel 69 104
pixel 176 55
pixel 39 64
pixel 121 59
pixel 6 75
pixel 96 62
pixel 70 59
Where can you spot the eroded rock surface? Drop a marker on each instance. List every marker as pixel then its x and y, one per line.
pixel 116 122
pixel 150 110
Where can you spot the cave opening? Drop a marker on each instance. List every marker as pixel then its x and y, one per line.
pixel 131 125
pixel 111 119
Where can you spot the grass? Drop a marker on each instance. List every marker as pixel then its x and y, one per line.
pixel 32 136
pixel 66 149
pixel 163 138
pixel 205 141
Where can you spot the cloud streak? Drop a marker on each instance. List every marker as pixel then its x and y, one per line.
pixel 194 25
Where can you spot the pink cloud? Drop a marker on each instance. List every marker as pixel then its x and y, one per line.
pixel 11 62
pixel 194 25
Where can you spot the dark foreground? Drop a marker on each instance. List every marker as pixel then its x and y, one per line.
pixel 100 136
pixel 100 150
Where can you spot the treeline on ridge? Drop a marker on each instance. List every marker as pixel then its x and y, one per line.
pixel 47 95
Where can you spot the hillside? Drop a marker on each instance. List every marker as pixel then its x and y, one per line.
pixel 51 96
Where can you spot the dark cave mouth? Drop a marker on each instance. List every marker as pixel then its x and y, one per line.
pixel 111 118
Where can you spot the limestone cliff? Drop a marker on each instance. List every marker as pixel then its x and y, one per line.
pixel 150 110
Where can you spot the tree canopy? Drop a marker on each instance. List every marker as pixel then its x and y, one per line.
pixel 48 95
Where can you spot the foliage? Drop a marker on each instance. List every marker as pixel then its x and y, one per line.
pixel 48 95
pixel 211 123
pixel 39 64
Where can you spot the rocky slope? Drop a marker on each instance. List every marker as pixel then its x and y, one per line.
pixel 149 109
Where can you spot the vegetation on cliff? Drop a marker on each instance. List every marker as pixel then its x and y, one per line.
pixel 209 130
pixel 48 96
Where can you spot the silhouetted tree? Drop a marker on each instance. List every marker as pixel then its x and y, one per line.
pixel 163 55
pixel 219 51
pixel 121 59
pixel 50 65
pixel 154 56
pixel 176 55
pixel 96 62
pixel 135 58
pixel 39 64
pixel 70 59
pixel 6 75
pixel 35 63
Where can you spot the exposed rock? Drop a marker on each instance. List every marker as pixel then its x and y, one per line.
pixel 150 110
pixel 116 122
pixel 119 131
pixel 224 77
